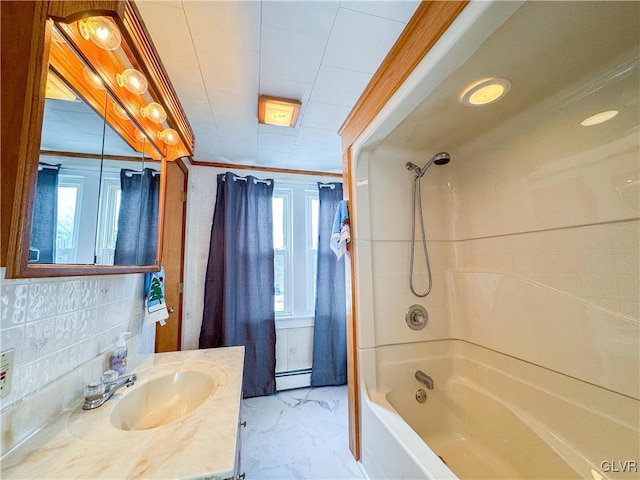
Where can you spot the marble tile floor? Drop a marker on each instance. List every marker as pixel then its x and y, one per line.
pixel 298 434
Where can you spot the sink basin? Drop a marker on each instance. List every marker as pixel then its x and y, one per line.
pixel 162 400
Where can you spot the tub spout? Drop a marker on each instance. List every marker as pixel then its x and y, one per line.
pixel 424 378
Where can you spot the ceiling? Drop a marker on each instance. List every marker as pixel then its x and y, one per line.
pixel 564 65
pixel 221 55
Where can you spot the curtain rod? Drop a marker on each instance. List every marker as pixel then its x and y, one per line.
pixel 326 185
pixel 42 166
pixel 129 173
pixel 256 180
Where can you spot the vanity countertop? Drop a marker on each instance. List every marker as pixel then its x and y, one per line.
pixel 201 444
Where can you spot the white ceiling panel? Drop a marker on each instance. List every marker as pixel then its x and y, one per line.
pixel 160 19
pixel 269 158
pixel 360 41
pixel 238 128
pixel 339 86
pixel 187 80
pixel 275 143
pixel 324 115
pixel 301 154
pixel 309 17
pixel 398 10
pixel 230 68
pixel 197 111
pixel 291 55
pixel 318 137
pixel 221 55
pixel 234 103
pixel 208 146
pixel 224 24
pixel 279 130
pixel 239 150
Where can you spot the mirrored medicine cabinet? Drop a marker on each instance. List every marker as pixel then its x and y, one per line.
pixel 90 190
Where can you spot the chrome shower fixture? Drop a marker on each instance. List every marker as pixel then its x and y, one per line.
pixel 441 158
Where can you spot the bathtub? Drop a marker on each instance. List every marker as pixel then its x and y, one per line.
pixel 490 416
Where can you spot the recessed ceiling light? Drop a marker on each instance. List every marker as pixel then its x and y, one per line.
pixel 599 118
pixel 278 111
pixel 485 92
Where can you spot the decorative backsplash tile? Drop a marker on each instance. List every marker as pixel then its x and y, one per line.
pixel 59 324
pixel 13 304
pixel 43 299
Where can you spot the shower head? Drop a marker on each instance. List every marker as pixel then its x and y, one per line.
pixel 441 158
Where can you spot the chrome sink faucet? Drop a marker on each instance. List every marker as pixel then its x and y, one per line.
pixel 97 393
pixel 424 378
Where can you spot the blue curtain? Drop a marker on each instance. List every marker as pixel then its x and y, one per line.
pixel 330 333
pixel 137 239
pixel 45 215
pixel 238 296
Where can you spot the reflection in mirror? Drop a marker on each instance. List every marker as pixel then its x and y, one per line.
pixel 92 189
pixel 128 230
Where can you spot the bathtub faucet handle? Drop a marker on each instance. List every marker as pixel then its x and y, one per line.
pixel 424 378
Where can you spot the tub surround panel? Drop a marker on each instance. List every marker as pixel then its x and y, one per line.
pixel 392 297
pixel 553 330
pixel 199 444
pixel 390 187
pixel 596 264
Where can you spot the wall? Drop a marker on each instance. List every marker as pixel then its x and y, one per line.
pixel 62 330
pixel 383 202
pixel 547 251
pixel 294 337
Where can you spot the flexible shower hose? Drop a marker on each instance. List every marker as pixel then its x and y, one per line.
pixel 416 194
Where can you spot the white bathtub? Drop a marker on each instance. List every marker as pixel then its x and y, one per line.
pixel 490 416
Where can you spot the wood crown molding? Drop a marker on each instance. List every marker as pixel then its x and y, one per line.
pixel 264 169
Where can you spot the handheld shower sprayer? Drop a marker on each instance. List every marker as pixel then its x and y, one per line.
pixel 441 158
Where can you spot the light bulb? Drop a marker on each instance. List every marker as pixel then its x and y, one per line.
pixel 132 80
pixel 121 112
pixel 101 31
pixel 169 136
pixel 93 78
pixel 155 112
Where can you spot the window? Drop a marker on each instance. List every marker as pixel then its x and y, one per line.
pixel 295 243
pixel 108 220
pixel 68 218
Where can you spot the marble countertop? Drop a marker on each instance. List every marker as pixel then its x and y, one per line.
pixel 85 444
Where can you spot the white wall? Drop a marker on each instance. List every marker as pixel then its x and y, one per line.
pixel 62 330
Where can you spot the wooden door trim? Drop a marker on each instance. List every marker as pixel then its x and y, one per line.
pixel 430 20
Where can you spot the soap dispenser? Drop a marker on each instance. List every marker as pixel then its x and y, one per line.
pixel 119 355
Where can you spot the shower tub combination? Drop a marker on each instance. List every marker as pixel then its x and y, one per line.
pixel 490 415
